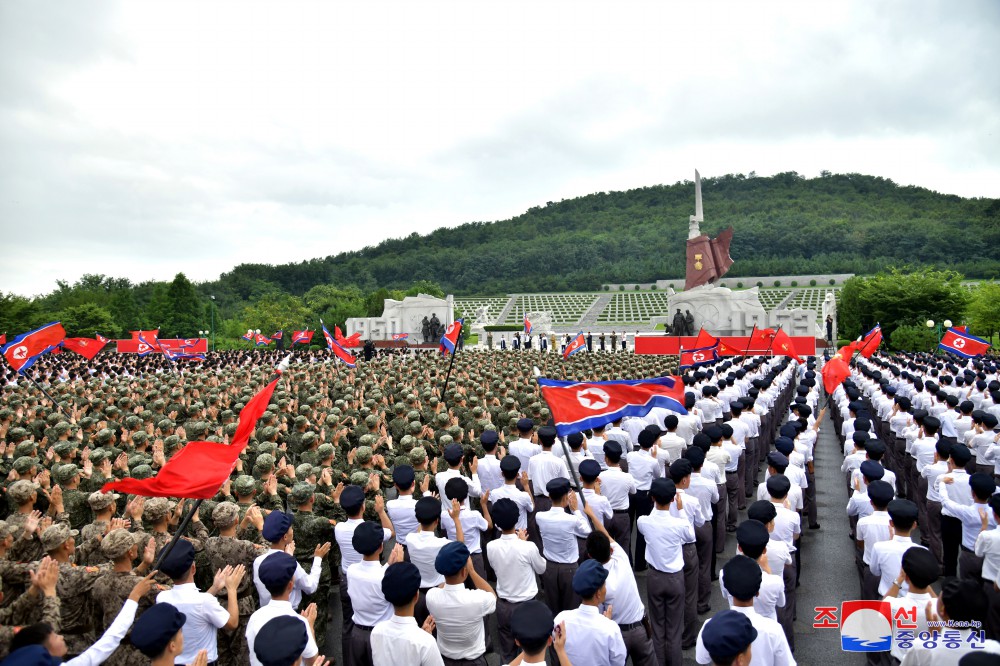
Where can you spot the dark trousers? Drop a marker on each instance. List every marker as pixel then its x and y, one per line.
pixel 971 565
pixel 741 498
pixel 934 530
pixel 361 647
pixel 703 543
pixel 508 649
pixel 719 519
pixel 951 539
pixel 809 498
pixel 542 503
pixel 347 610
pixel 639 646
pixel 620 529
pixel 641 505
pixel 750 468
pixel 786 613
pixel 993 616
pixel 478 661
pixel 732 495
pixel 691 625
pixel 557 581
pixel 665 595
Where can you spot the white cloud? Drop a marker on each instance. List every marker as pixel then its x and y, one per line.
pixel 142 139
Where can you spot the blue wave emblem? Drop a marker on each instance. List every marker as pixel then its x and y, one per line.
pixel 852 644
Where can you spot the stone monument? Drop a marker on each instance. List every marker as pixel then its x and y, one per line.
pixel 422 318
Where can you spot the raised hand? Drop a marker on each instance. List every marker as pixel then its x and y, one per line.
pixel 143 587
pixel 322 550
pixel 429 625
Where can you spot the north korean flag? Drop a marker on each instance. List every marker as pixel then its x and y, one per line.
pixel 578 406
pixel 575 345
pixel 3 339
pixel 85 347
pixel 400 336
pixel 870 343
pixel 347 343
pixel 527 326
pixel 337 350
pixel 248 336
pixel 962 344
pixel 100 338
pixel 261 340
pixel 277 335
pixel 305 337
pixel 147 347
pixel 696 357
pixel 449 343
pixel 22 352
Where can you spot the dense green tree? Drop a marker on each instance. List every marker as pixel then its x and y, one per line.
pixel 913 338
pixel 125 311
pixel 271 313
pixel 984 309
pixel 185 309
pixel 157 313
pixel 334 304
pixel 86 320
pixel 19 314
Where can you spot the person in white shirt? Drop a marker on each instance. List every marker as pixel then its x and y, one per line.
pixel 400 640
pixel 560 531
pixel 402 510
pixel 283 640
pixel 618 487
pixel 666 536
pixel 525 447
pixel 474 523
pixel 577 452
pixel 453 455
pixel 918 571
pixel 708 495
pixel 770 647
pixel 278 531
pixel 364 584
pixel 458 612
pixel 510 468
pixel 644 467
pixel 870 530
pixel 728 638
pixel 671 445
pixel 887 556
pixel 534 631
pixel 960 604
pixel 988 548
pixel 542 468
pixel 780 562
pixel 424 545
pixel 205 615
pixel 277 574
pixel 489 465
pixel 516 562
pixel 974 518
pixel 932 504
pixel 592 638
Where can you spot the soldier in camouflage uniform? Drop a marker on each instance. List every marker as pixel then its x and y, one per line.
pixel 88 552
pixel 312 531
pixel 74 499
pixel 228 549
pixel 75 586
pixel 39 604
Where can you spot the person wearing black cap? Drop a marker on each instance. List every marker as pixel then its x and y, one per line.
pixel 516 562
pixel 787 523
pixel 988 548
pixel 853 460
pixel 281 642
pixel 510 468
pixel 525 446
pixel 591 637
pixel 542 468
pixel 887 556
pixel 671 444
pixel 666 535
pixel 533 629
pixel 458 612
pixel 474 523
pixel 859 505
pixel 400 640
pixel 424 546
pixel 204 612
pixel 618 487
pixel 728 637
pixel 279 532
pixel 490 477
pixel 734 483
pixel 869 531
pixel 919 570
pixel 752 538
pixel 769 646
pixel 643 467
pixel 364 584
pixel 960 604
pixel 559 532
pixel 707 493
pixel 277 573
pixel 780 562
pixel 590 472
pixel 454 454
pixel 700 519
pixel 974 518
pixel 932 505
pixel 158 634
pixel 402 509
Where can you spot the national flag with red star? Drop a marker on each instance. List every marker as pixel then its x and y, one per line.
pixel 349 342
pixel 449 342
pixel 248 336
pixel 696 357
pixel 400 336
pixel 962 344
pixel 147 347
pixel 261 340
pixel 22 352
pixel 575 345
pixel 527 325
pixel 277 335
pixel 305 337
pixel 337 349
pixel 579 406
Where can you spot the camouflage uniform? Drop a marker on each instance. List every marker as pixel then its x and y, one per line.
pixel 26 610
pixel 74 500
pixel 109 595
pixel 312 531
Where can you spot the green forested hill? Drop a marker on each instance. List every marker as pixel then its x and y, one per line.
pixel 785 224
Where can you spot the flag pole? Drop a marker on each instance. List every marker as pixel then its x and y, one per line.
pixel 182 527
pixel 771 344
pixel 39 387
pixel 447 377
pixel 750 341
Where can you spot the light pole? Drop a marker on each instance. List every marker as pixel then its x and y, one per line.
pixel 213 322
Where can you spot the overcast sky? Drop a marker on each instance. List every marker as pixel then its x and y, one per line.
pixel 140 139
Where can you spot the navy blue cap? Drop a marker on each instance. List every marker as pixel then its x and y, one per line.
pixel 400 583
pixel 727 634
pixel 647 439
pixel 742 577
pixel 276 525
pixel 880 493
pixel 505 513
pixel 557 487
pixel 784 445
pixel 777 459
pixel 532 622
pixel 451 558
pixel 714 433
pixel 32 655
pixel 155 628
pixel 860 437
pixel 525 425
pixel 961 454
pixel 456 488
pixel 510 464
pixel 547 435
pixel 788 430
pixel 281 641
pixel 575 439
pixel 902 509
pixel 453 453
pixel 872 470
pixel 762 511
pixel 982 485
pixel 427 509
pixel 590 469
pixel 695 455
pixel 179 560
pixel 612 448
pixel 367 537
pixel 403 476
pixel 489 437
pixel 276 570
pixel 662 490
pixel 778 485
pixel 752 533
pixel 589 578
pixel 352 498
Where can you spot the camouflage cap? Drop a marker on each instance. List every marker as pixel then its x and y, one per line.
pixel 324 451
pixel 308 438
pixel 415 427
pixel 170 443
pixel 269 448
pixel 24 464
pixel 265 461
pixel 64 473
pixel 418 455
pixel 6 530
pixel 97 456
pixel 268 432
pixel 22 491
pixel 413 415
pixel 371 420
pixel 359 478
pixel 104 436
pixel 118 542
pixel 301 420
pixel 363 455
pixel 197 429
pixel 62 428
pixel 25 449
pixel 55 536
pixel 225 514
pixel 63 448
pixel 367 440
pixel 244 485
pixel 157 508
pixel 304 470
pixel 87 422
pixel 302 493
pixel 99 501
pixel 139 437
pixel 442 417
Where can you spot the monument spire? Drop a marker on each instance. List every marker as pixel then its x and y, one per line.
pixel 694 229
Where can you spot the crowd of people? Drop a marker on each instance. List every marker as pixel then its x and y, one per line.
pixel 452 525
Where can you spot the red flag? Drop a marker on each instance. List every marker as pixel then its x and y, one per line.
pixel 834 373
pixel 577 406
pixel 304 337
pixel 783 345
pixel 575 345
pixel 85 347
pixel 353 341
pixel 3 339
pixel 337 350
pixel 705 340
pixel 760 339
pixel 725 350
pixel 25 349
pixel 961 329
pixel 199 469
pixel 149 335
pixel 871 342
pixel 963 344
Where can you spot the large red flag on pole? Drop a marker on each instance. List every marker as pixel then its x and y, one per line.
pixel 85 347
